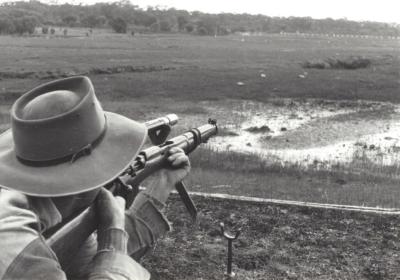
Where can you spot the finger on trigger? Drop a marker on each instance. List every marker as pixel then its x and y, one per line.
pixel 177 150
pixel 179 160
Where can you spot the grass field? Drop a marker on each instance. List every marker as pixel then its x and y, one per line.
pixel 147 76
pixel 203 68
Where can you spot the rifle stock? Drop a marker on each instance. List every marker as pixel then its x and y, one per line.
pixel 66 241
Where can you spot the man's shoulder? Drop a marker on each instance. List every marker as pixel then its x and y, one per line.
pixel 27 210
pixel 16 213
pixel 17 226
pixel 12 203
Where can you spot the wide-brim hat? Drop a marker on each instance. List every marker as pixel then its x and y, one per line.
pixel 73 152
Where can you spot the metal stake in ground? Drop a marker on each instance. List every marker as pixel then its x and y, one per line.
pixel 230 238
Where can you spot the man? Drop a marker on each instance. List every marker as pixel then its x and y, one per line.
pixel 61 150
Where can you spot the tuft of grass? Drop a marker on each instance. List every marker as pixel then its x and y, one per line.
pixel 351 62
pixel 4 118
pixel 257 129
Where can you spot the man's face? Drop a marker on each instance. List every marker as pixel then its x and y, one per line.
pixel 72 204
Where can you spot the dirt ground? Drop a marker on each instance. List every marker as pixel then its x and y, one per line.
pixel 277 242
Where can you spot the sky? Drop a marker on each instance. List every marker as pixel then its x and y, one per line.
pixel 360 10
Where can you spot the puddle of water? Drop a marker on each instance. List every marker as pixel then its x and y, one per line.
pixel 382 147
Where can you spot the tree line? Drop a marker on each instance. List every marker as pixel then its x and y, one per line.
pixel 23 17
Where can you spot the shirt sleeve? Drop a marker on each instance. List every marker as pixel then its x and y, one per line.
pixel 37 261
pixel 145 224
pixel 112 261
pixel 25 255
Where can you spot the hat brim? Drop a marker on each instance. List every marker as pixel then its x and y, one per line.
pixel 121 143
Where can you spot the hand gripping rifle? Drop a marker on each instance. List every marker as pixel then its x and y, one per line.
pixel 66 239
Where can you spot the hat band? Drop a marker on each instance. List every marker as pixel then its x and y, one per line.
pixel 71 158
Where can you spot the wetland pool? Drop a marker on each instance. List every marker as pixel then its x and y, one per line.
pixel 311 131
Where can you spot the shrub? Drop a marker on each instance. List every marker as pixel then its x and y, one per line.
pixel 118 25
pixel 155 27
pixel 70 20
pixel 317 64
pixel 189 28
pixel 223 31
pixel 6 26
pixel 45 30
pixel 256 129
pixel 207 25
pixel 48 23
pixel 165 26
pixel 25 24
pixel 202 31
pixel 182 21
pixel 351 62
pixel 93 21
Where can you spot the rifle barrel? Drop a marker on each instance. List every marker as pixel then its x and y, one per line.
pixel 154 158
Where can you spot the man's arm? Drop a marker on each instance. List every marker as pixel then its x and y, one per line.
pixel 112 260
pixel 25 254
pixel 145 221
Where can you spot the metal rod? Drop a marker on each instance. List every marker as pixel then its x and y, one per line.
pixel 229 269
pixel 230 238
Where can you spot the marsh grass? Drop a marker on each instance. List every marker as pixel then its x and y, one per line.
pixel 363 163
pixel 358 168
pixel 4 118
pixel 360 182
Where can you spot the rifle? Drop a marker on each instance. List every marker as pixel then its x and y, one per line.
pixel 148 161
